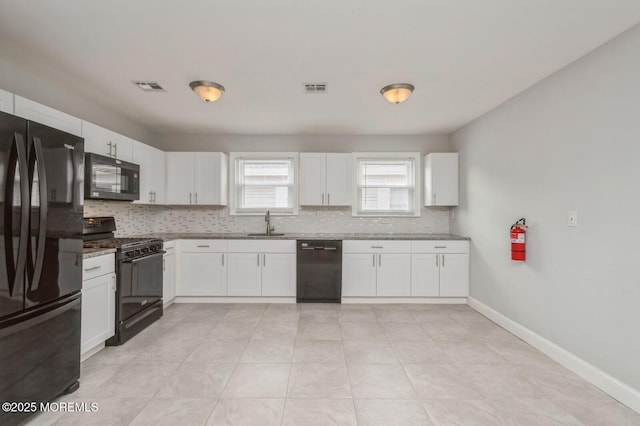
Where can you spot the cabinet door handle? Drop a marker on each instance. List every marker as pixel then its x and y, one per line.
pixel 116 148
pixel 328 199
pixel 323 198
pixel 441 247
pixel 151 196
pixel 222 259
pixel 190 202
pixel 154 196
pixel 204 246
pixel 378 247
pixel 164 264
pixel 374 260
pixel 443 260
pixel 196 198
pixel 94 268
pixel 110 145
pixel 379 260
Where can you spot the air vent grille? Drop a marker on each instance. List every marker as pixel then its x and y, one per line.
pixel 315 87
pixel 149 86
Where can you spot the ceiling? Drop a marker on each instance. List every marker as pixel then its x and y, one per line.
pixel 464 56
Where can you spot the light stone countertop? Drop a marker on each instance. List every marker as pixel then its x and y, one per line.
pixel 88 253
pixel 302 236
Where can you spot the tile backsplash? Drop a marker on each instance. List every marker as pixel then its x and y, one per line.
pixel 132 219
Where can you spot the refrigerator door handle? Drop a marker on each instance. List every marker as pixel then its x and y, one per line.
pixel 18 157
pixel 44 207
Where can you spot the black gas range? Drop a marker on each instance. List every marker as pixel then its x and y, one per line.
pixel 139 276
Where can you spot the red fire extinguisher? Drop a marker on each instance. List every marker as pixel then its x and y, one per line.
pixel 518 245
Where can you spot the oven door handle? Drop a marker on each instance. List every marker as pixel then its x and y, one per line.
pixel 140 259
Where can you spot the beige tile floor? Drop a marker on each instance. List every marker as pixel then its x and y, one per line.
pixel 321 364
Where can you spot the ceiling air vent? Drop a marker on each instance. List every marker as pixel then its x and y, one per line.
pixel 149 86
pixel 315 87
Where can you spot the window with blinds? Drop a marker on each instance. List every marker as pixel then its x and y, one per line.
pixel 264 183
pixel 386 186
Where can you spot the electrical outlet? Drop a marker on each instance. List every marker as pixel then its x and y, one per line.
pixel 572 219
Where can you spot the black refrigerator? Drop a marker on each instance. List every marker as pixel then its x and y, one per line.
pixel 41 201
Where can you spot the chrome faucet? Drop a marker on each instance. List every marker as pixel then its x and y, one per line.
pixel 267 218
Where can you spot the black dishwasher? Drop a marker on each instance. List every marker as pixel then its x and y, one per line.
pixel 319 271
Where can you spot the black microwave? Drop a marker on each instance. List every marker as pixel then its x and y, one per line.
pixel 107 178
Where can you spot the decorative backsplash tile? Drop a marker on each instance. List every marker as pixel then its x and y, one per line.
pixel 132 219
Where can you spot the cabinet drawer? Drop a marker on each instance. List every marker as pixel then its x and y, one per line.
pixel 203 246
pixel 262 246
pixel 376 246
pixel 99 265
pixel 440 246
pixel 169 246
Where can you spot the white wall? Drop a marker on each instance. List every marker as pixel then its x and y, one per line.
pixel 31 77
pixel 571 142
pixel 302 143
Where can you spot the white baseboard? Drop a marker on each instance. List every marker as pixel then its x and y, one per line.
pixel 91 352
pixel 614 387
pixel 428 300
pixel 231 299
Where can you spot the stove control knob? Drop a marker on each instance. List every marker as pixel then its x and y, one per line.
pixel 129 254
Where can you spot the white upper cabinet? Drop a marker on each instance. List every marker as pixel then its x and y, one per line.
pixel 441 179
pixel 6 101
pixel 31 110
pixel 196 178
pixel 325 179
pixel 99 140
pixel 152 173
pixel 211 178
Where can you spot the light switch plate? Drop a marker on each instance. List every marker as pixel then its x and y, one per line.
pixel 572 219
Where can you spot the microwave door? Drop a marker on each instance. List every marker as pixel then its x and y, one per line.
pixel 106 178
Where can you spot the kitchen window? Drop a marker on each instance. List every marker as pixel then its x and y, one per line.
pixel 262 181
pixel 387 184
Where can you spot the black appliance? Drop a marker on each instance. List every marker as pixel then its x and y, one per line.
pixel 319 271
pixel 41 201
pixel 111 179
pixel 139 276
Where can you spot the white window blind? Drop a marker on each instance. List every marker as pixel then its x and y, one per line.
pixel 386 186
pixel 262 184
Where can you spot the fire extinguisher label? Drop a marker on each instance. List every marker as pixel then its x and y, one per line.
pixel 519 239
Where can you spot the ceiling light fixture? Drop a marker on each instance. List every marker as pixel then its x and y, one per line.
pixel 208 91
pixel 397 93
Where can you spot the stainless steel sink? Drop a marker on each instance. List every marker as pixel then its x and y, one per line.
pixel 273 234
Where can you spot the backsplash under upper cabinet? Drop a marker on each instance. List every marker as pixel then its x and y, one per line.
pixel 133 219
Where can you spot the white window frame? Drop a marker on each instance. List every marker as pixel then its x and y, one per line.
pixel 234 156
pixel 417 186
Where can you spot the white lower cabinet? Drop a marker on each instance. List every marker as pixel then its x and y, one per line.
pixel 376 268
pixel 98 301
pixel 244 274
pixel 262 268
pixel 279 274
pixel 440 268
pixel 202 268
pixel 169 273
pixel 358 274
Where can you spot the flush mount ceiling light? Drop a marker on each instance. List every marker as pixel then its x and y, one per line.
pixel 397 93
pixel 208 91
